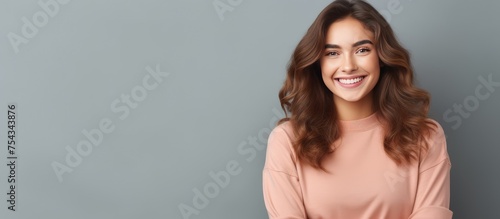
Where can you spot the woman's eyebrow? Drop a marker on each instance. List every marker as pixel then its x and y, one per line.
pixel 359 43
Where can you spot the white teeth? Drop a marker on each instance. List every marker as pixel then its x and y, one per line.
pixel 350 81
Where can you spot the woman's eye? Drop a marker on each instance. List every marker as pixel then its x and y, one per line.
pixel 363 50
pixel 332 53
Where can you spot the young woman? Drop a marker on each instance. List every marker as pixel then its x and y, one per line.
pixel 357 142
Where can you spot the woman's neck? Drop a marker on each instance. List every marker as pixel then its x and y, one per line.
pixel 347 110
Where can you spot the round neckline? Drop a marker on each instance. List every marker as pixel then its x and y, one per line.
pixel 362 124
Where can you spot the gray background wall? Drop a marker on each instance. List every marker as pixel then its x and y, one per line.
pixel 75 67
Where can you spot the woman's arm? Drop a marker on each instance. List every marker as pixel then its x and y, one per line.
pixel 433 189
pixel 281 186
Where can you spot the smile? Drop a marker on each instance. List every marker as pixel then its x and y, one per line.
pixel 350 81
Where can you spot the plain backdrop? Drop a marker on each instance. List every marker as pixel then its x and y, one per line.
pixel 188 89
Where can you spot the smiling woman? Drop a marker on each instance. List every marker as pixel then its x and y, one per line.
pixel 356 142
pixel 350 67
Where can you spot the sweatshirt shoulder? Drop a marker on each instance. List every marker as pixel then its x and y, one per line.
pixel 280 155
pixel 437 147
pixel 284 128
pixel 436 130
pixel 282 136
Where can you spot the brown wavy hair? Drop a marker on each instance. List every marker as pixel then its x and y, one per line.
pixel 309 106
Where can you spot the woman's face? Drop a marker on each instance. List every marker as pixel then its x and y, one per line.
pixel 350 64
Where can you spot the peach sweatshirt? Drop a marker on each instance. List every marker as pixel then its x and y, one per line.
pixel 363 183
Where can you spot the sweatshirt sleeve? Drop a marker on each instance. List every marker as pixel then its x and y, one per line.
pixel 433 189
pixel 282 192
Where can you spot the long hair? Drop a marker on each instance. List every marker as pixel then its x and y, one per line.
pixel 309 106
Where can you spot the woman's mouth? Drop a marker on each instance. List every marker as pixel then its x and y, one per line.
pixel 350 82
